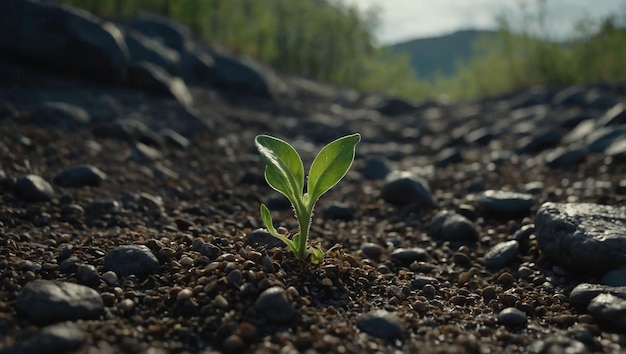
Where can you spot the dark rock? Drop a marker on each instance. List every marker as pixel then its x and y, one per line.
pixel 338 211
pixel 243 74
pixel 404 188
pixel 131 259
pixel 60 115
pixel 79 176
pixel 260 237
pixel 87 274
pixel 151 77
pixel 375 168
pixel 145 49
pixel 210 250
pixel 144 154
pixel 539 141
pixel 583 293
pixel 505 202
pixel 565 157
pixel 421 281
pixel 46 301
pixel 409 255
pixel 448 156
pixel 615 277
pixel 479 137
pixel 69 265
pixel 33 188
pixel 617 150
pixel 609 310
pixel 614 116
pixel 582 237
pixel 382 324
pixel 129 129
pixel 571 96
pixel 395 107
pixel 62 37
pixel 372 250
pixel 174 139
pixel 163 29
pixel 600 139
pixel 501 254
pixel 99 208
pixel 512 317
pixel 64 337
pixel 450 226
pixel 273 306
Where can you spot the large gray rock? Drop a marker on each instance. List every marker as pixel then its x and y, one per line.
pixel 46 301
pixel 168 32
pixel 152 77
pixel 582 237
pixel 62 37
pixel 505 203
pixel 609 310
pixel 241 73
pixel 131 259
pixel 451 226
pixel 33 188
pixel 404 188
pixel 146 49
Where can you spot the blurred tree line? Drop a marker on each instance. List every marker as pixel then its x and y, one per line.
pixel 333 42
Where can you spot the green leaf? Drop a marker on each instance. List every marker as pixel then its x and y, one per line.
pixel 331 164
pixel 284 170
pixel 266 216
pixel 317 255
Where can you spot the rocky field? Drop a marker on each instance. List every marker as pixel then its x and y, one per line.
pixel 131 187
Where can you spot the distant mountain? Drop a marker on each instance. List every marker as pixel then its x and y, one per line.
pixel 430 56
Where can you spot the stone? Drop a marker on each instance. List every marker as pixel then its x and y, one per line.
pixel 131 259
pixel 583 293
pixel 63 337
pixel 244 74
pixel 372 250
pixel 614 116
pixel 512 317
pixel 375 168
pixel 409 255
pixel 451 226
pixel 163 29
pixel 174 139
pixel 601 138
pixel 404 188
pixel 539 141
pixel 64 116
pixel 448 156
pixel 501 254
pixel 505 203
pixel 382 324
pixel 87 274
pixel 144 154
pixel 63 37
pixel 395 107
pixel 615 277
pixel 582 237
pixel 609 310
pixel 148 76
pixel 143 48
pixel 565 157
pixel 338 211
pixel 79 176
pixel 617 150
pixel 273 305
pixel 260 237
pixel 33 188
pixel 47 301
pixel 129 129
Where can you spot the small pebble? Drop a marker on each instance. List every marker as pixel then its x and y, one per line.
pixel 512 317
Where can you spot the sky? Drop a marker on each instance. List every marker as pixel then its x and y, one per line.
pixel 402 20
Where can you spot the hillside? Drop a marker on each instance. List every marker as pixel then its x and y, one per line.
pixel 430 56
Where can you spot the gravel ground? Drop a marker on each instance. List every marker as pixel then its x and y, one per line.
pixel 120 236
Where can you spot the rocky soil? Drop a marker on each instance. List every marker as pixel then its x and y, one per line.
pixel 130 221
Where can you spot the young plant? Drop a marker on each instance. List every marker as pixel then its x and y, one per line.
pixel 284 172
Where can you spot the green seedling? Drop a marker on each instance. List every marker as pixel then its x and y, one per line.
pixel 284 172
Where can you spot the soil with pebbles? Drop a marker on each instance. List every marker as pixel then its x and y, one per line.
pixel 201 284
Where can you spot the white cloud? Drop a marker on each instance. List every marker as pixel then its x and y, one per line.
pixel 407 19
